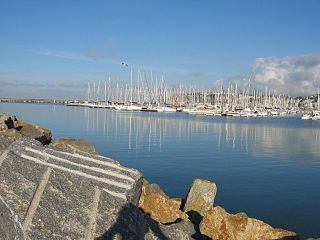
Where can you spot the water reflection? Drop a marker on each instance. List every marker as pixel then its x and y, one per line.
pixel 150 131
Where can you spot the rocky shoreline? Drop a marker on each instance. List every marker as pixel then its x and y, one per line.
pixel 63 189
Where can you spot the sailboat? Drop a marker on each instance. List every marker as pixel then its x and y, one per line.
pixel 316 115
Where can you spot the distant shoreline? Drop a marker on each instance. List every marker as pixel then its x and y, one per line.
pixel 50 101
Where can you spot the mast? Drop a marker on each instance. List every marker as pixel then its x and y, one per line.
pixel 318 101
pixel 105 92
pixel 109 98
pixel 88 97
pixel 131 85
pixel 98 91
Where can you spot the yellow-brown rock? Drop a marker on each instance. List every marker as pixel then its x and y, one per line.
pixel 74 145
pixel 200 198
pixel 158 205
pixel 220 225
pixel 33 131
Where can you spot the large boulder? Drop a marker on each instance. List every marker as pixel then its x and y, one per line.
pixel 160 208
pixel 33 131
pixel 10 228
pixel 55 194
pixel 6 121
pixel 8 136
pixel 178 231
pixel 200 198
pixel 220 225
pixel 74 145
pixel 62 195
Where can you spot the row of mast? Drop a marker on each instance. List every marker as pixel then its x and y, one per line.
pixel 157 91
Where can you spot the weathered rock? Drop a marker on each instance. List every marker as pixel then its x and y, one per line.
pixel 6 121
pixel 200 198
pixel 33 131
pixel 74 145
pixel 178 231
pixel 220 225
pixel 7 136
pixel 158 205
pixel 63 195
pixel 241 214
pixel 57 194
pixel 132 223
pixel 10 228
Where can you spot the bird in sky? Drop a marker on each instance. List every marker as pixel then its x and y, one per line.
pixel 124 64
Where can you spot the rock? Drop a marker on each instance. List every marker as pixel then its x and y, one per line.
pixel 132 223
pixel 62 195
pixel 200 198
pixel 241 214
pixel 220 225
pixel 6 121
pixel 10 228
pixel 158 205
pixel 182 230
pixel 55 194
pixel 74 145
pixel 33 131
pixel 126 223
pixel 8 136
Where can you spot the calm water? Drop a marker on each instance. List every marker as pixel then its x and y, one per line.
pixel 266 167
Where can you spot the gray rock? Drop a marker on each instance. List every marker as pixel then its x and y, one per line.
pixel 56 194
pixel 181 230
pixel 200 198
pixel 10 228
pixel 6 121
pixel 7 136
pixel 132 224
pixel 63 195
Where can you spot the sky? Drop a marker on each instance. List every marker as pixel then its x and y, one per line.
pixel 51 49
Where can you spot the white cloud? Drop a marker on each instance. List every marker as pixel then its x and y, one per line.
pixel 293 75
pixel 76 56
pixel 60 54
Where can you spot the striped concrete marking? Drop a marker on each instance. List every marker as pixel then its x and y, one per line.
pixel 36 200
pixel 115 194
pixel 103 171
pixel 91 227
pixel 76 172
pixel 108 164
pixel 3 156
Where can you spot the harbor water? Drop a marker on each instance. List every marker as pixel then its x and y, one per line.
pixel 266 167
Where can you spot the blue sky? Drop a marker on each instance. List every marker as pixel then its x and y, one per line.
pixel 52 48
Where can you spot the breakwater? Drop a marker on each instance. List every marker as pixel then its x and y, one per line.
pixel 49 101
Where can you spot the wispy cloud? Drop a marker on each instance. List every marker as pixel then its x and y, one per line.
pixel 93 57
pixel 105 56
pixel 60 54
pixel 59 84
pixel 14 71
pixel 294 75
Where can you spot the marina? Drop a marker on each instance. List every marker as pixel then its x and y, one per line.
pixel 154 97
pixel 262 166
pixel 160 120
